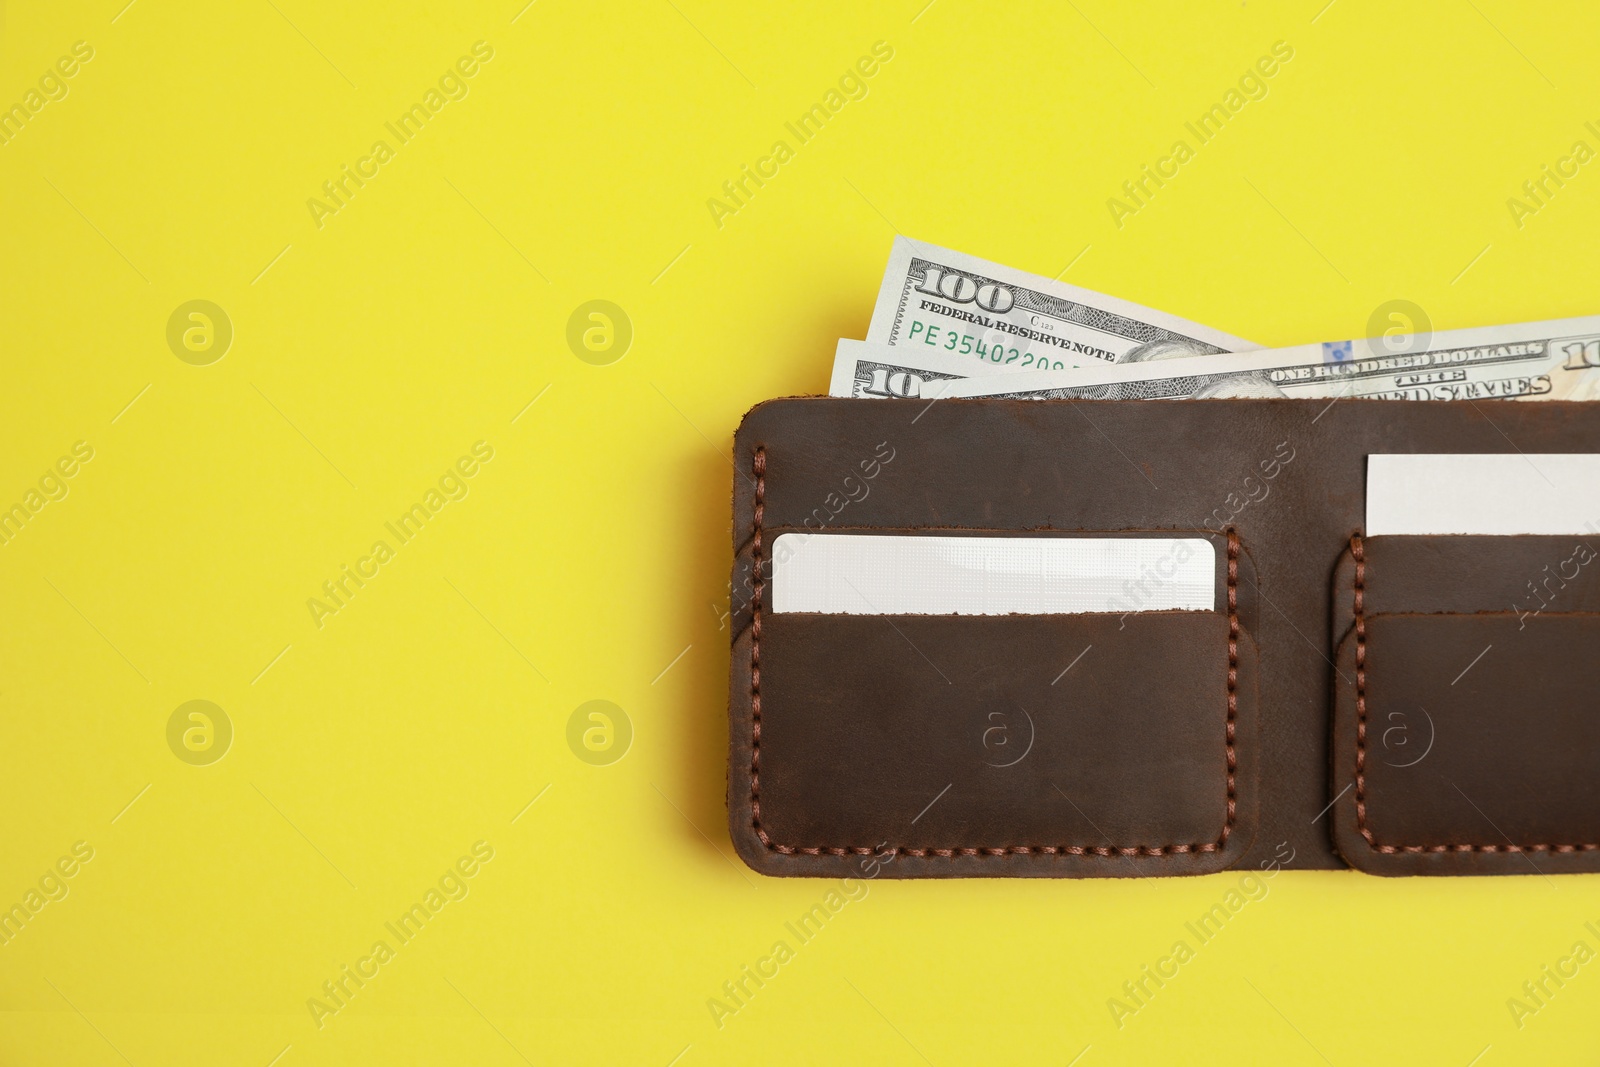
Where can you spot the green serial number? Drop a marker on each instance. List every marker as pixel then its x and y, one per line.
pixel 964 343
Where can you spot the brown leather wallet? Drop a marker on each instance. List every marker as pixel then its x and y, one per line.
pixel 1401 705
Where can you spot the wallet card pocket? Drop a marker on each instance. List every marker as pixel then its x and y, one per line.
pixel 1466 733
pixel 1090 744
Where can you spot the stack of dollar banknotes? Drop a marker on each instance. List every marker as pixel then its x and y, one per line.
pixel 950 325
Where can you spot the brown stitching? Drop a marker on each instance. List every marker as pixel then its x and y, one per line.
pixel 1358 553
pixel 755 655
pixel 760 465
pixel 1233 681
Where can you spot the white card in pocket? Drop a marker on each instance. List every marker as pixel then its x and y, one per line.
pixel 1483 493
pixel 914 574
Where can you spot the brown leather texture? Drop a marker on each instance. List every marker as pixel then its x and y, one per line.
pixel 1527 575
pixel 908 733
pixel 1467 740
pixel 842 737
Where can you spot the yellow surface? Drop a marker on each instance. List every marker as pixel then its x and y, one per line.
pixel 587 559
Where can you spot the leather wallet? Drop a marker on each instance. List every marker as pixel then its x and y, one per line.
pixel 1401 705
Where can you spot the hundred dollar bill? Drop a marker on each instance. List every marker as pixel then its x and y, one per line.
pixel 1002 319
pixel 865 370
pixel 1553 360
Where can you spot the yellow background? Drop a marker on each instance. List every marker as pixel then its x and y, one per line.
pixel 589 559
